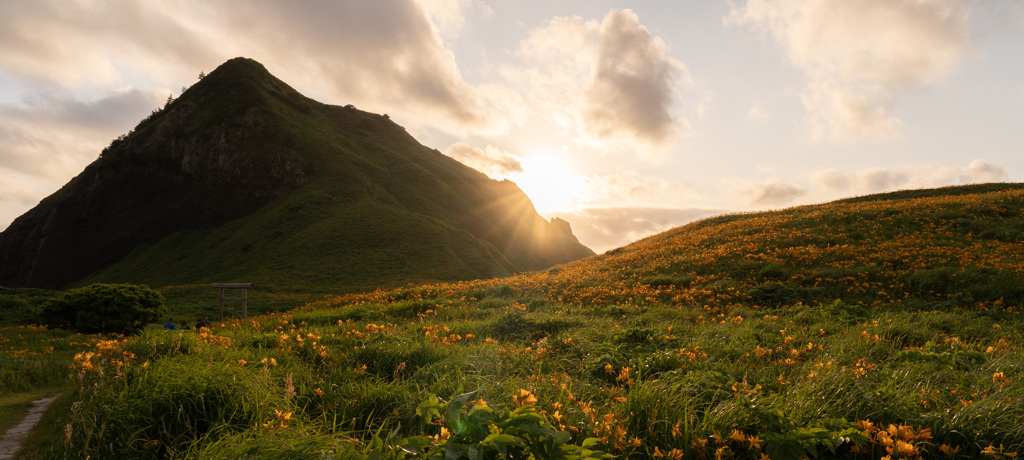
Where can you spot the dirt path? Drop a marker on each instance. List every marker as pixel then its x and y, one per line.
pixel 11 441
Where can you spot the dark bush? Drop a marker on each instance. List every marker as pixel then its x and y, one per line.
pixel 15 310
pixel 98 308
pixel 774 294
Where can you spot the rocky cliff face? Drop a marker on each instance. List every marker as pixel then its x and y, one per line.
pixel 240 139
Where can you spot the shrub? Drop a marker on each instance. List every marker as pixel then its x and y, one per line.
pixel 15 310
pixel 101 308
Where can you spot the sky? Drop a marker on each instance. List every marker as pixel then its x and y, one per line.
pixel 624 118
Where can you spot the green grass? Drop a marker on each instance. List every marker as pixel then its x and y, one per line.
pixel 771 333
pixel 32 357
pixel 783 375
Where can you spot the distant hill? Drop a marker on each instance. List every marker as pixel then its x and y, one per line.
pixel 914 249
pixel 243 178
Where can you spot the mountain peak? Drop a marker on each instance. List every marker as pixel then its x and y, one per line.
pixel 244 72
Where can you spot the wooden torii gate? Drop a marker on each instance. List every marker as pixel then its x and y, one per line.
pixel 244 298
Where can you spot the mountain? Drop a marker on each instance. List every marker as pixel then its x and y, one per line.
pixel 243 178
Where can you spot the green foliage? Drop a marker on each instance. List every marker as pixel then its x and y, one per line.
pixel 786 439
pixel 21 306
pixel 774 294
pixel 485 433
pixel 102 308
pixel 164 410
pixel 517 324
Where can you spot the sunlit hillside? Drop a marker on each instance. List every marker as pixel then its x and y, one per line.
pixel 886 325
pixel 950 247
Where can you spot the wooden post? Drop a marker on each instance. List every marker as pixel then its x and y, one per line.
pixel 244 298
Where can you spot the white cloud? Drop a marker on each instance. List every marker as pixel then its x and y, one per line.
pixel 490 160
pixel 605 228
pixel 15 191
pixel 450 15
pixel 385 54
pixel 632 87
pixel 860 56
pixel 757 114
pixel 832 180
pixel 52 137
pixel 607 83
pixel 876 180
pixel 979 171
pixel 771 193
pixel 629 187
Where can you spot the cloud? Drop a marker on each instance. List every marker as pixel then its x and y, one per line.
pixel 628 187
pixel 382 54
pixel 757 114
pixel 859 57
pixel 605 83
pixel 772 193
pixel 72 44
pixel 881 179
pixel 632 87
pixel 981 171
pixel 16 191
pixel 605 228
pixel 876 180
pixel 491 160
pixel 450 15
pixel 52 136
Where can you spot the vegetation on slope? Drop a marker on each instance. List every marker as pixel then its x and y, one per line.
pixel 837 330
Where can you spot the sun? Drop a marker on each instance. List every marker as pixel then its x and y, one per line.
pixel 549 180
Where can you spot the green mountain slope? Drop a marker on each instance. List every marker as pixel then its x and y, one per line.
pixel 243 178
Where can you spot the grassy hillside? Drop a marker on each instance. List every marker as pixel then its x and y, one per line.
pixel 880 326
pixel 959 246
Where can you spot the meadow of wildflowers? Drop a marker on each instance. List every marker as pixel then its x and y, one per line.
pixel 883 327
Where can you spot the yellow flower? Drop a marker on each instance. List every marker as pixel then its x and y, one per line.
pixel 524 398
pixel 949 451
pixel 905 448
pixel 283 417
